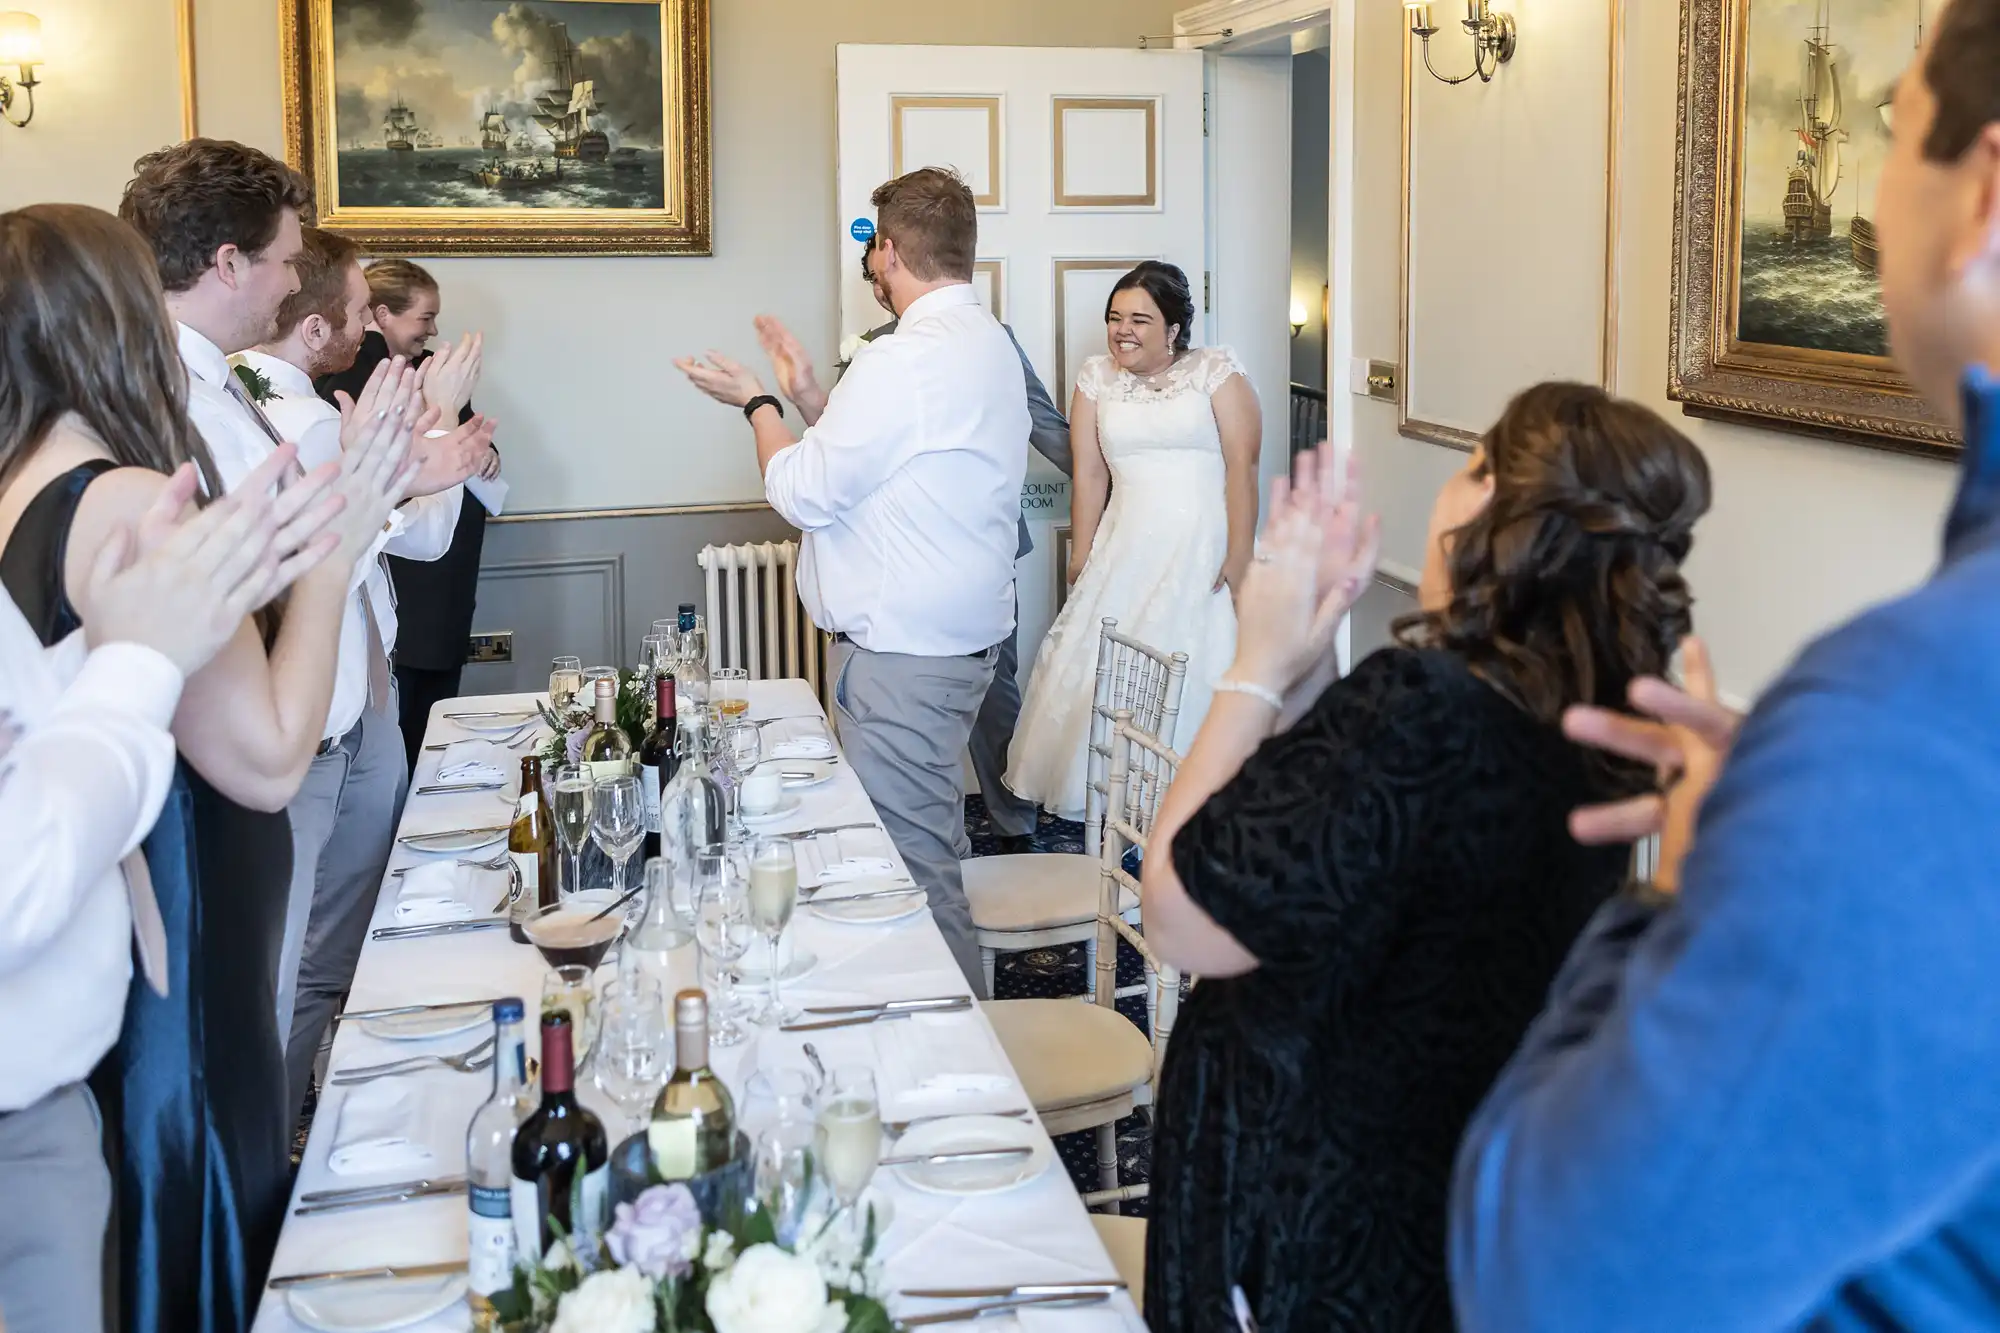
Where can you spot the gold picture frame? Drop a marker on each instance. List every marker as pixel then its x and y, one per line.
pixel 1842 395
pixel 583 178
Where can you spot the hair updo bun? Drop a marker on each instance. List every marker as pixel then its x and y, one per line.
pixel 1168 287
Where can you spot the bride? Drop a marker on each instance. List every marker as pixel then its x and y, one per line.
pixel 1170 435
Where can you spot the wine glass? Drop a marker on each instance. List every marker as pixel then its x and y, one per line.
pixel 738 750
pixel 565 680
pixel 573 801
pixel 618 823
pixel 783 1182
pixel 633 1051
pixel 591 675
pixel 847 1136
pixel 774 891
pixel 570 988
pixel 779 1100
pixel 722 928
pixel 729 687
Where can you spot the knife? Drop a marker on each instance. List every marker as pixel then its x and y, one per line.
pixel 401 1009
pixel 874 1016
pixel 987 1311
pixel 365 1191
pixel 969 1155
pixel 442 928
pixel 1107 1286
pixel 890 1006
pixel 445 788
pixel 412 839
pixel 437 1191
pixel 830 828
pixel 813 897
pixel 384 1273
pixel 497 712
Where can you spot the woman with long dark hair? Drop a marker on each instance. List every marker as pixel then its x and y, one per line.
pixel 93 420
pixel 1165 439
pixel 1374 876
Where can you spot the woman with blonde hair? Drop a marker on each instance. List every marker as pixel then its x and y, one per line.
pixel 93 420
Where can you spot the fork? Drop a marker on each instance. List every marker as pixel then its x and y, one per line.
pixel 465 1062
pixel 510 739
pixel 500 862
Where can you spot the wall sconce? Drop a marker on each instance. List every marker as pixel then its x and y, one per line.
pixel 1298 317
pixel 1492 33
pixel 20 47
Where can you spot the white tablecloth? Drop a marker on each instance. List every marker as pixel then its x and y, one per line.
pixel 1036 1233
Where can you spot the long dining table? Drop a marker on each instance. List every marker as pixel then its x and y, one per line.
pixel 1036 1232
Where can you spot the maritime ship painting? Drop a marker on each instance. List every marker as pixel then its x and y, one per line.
pixel 537 104
pixel 1815 134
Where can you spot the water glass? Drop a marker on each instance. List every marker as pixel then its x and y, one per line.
pixel 729 689
pixel 774 892
pixel 591 675
pixel 848 1133
pixel 784 1183
pixel 618 823
pixel 779 1101
pixel 565 680
pixel 573 799
pixel 722 929
pixel 572 988
pixel 634 1051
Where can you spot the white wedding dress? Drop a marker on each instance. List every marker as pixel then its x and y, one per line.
pixel 1153 567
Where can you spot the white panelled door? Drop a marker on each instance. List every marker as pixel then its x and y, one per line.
pixel 1084 162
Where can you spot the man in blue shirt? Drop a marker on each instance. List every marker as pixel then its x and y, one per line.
pixel 1766 1092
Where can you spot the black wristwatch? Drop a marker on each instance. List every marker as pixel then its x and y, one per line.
pixel 750 408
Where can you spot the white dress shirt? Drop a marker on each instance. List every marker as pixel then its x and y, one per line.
pixel 909 486
pixel 234 439
pixel 85 763
pixel 421 529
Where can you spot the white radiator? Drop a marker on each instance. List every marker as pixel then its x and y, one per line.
pixel 755 619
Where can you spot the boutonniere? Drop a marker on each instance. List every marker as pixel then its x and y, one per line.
pixel 256 385
pixel 852 345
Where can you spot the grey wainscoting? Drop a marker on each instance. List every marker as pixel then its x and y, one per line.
pixel 1375 611
pixel 592 584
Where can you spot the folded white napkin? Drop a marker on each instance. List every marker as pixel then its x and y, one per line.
pixel 841 858
pixel 439 891
pixel 797 738
pixel 1088 1319
pixel 471 761
pixel 492 495
pixel 937 1056
pixel 378 1131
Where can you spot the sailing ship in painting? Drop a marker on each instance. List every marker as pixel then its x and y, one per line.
pixel 1861 232
pixel 568 111
pixel 1815 174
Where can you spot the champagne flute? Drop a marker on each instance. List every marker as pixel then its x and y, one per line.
pixel 722 928
pixel 617 823
pixel 848 1134
pixel 565 680
pixel 730 688
pixel 774 891
pixel 633 1050
pixel 573 800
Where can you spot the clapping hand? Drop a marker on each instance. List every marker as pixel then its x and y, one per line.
pixel 1686 747
pixel 391 381
pixel 375 467
pixel 721 379
pixel 797 379
pixel 183 584
pixel 443 461
pixel 1317 554
pixel 451 375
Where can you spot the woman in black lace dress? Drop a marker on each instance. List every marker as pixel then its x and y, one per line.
pixel 1375 880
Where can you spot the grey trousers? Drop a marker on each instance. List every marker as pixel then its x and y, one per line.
pixel 343 826
pixel 992 734
pixel 58 1195
pixel 904 722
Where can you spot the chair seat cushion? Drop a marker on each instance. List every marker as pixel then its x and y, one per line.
pixel 1035 891
pixel 1068 1052
pixel 1125 1238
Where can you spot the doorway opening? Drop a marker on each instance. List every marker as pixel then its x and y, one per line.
pixel 1312 121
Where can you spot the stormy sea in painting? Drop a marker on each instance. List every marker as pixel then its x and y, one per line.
pixel 1811 295
pixel 472 178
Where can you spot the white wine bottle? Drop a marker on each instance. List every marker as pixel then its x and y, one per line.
pixel 694 1121
pixel 607 750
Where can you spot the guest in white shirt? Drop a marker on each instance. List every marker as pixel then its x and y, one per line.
pixel 907 487
pixel 344 817
pixel 85 763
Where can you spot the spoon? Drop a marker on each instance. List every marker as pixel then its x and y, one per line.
pixel 812 1054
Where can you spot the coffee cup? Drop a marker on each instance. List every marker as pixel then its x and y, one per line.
pixel 763 791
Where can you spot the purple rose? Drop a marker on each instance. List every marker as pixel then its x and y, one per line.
pixel 658 1233
pixel 573 745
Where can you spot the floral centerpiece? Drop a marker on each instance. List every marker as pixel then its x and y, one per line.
pixel 662 1269
pixel 572 724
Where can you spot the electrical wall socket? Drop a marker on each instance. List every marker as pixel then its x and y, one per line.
pixel 495 647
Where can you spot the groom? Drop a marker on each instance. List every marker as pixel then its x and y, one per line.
pixel 906 486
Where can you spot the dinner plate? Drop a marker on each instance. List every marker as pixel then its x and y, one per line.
pixel 821 770
pixel 755 965
pixel 826 902
pixel 789 806
pixel 370 1305
pixel 967 1133
pixel 494 725
pixel 430 1023
pixel 452 842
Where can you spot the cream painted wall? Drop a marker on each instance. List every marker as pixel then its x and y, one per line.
pixel 593 416
pixel 110 91
pixel 1802 534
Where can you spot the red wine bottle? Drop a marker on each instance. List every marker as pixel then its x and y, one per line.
pixel 657 758
pixel 561 1158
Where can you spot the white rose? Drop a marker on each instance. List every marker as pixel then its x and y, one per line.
pixel 850 345
pixel 769 1291
pixel 617 1300
pixel 720 1250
